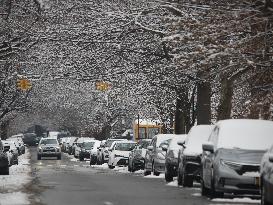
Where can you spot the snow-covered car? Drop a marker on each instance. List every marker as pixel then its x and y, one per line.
pixel 102 154
pixel 119 153
pixel 17 144
pixel 93 153
pixel 155 156
pixel 86 149
pixel 266 176
pixel 63 143
pixel 78 145
pixel 69 145
pixel 48 147
pixel 232 156
pixel 189 161
pixel 19 138
pixel 4 162
pixel 171 160
pixel 137 155
pixel 12 152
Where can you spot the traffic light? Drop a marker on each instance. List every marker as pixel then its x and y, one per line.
pixel 102 86
pixel 24 84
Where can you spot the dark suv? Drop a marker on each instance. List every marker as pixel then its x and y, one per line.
pixel 4 162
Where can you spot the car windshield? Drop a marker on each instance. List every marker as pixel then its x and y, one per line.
pixel 248 134
pixel 88 145
pixel 125 146
pixel 108 143
pixel 144 144
pixel 49 141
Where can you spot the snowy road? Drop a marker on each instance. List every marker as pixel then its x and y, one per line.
pixel 69 181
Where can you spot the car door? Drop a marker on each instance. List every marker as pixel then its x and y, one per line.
pixel 149 154
pixel 207 159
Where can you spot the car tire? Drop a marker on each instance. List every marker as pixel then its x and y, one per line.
pixel 81 158
pixel 263 195
pixel 168 175
pixel 92 161
pixel 213 193
pixel 39 157
pixel 5 171
pixel 59 157
pixel 153 170
pixel 129 167
pixel 111 167
pixel 133 167
pixel 204 191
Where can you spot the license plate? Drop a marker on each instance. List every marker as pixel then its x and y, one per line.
pixel 257 181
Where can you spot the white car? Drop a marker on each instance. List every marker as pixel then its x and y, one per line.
pixel 11 151
pixel 119 153
pixel 93 153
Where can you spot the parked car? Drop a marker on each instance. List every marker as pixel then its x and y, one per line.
pixel 232 156
pixel 78 145
pixel 119 153
pixel 31 139
pixel 171 160
pixel 189 161
pixel 17 144
pixel 266 174
pixel 4 162
pixel 86 148
pixel 93 153
pixel 102 154
pixel 48 147
pixel 137 155
pixel 19 139
pixel 12 152
pixel 155 156
pixel 69 145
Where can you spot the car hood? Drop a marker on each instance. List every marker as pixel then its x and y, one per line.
pixel 242 156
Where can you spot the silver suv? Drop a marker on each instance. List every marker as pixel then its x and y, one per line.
pixel 48 147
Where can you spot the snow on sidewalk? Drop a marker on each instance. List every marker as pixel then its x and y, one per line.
pixel 11 184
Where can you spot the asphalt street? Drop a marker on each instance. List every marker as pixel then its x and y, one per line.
pixel 68 181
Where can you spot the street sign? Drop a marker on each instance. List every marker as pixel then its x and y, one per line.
pixel 24 84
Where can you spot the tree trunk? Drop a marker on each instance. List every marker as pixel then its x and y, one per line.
pixel 225 106
pixel 203 106
pixel 4 130
pixel 182 114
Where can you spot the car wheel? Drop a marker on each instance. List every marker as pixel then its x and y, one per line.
pixel 146 172
pixel 204 191
pixel 187 181
pixel 92 161
pixel 129 167
pixel 59 157
pixel 133 167
pixel 213 193
pixel 38 157
pixel 5 171
pixel 81 158
pixel 111 167
pixel 153 170
pixel 263 195
pixel 168 175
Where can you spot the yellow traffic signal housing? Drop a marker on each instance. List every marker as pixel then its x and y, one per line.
pixel 24 84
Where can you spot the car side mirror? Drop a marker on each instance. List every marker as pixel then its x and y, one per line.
pixel 165 148
pixel 181 143
pixel 150 148
pixel 208 147
pixel 270 158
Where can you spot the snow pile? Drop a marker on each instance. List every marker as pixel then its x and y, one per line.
pixel 14 198
pixel 12 183
pixel 121 169
pixel 173 183
pixel 103 166
pixel 161 176
pixel 237 200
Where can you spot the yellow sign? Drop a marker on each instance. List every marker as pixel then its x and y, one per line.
pixel 24 84
pixel 102 86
